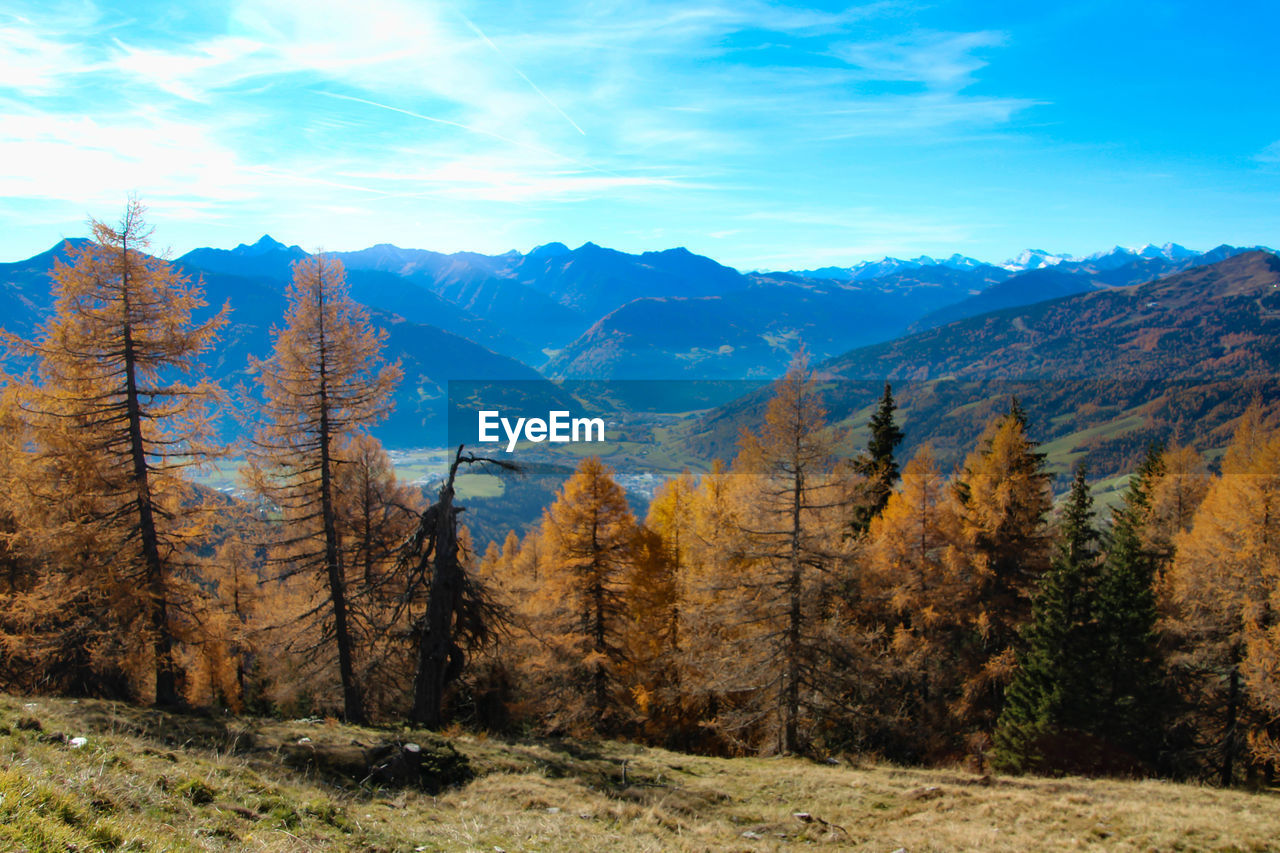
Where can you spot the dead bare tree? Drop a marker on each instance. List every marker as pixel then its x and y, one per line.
pixel 460 615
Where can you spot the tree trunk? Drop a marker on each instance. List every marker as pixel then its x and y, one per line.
pixel 1227 775
pixel 352 701
pixel 166 685
pixel 791 692
pixel 435 640
pixel 435 636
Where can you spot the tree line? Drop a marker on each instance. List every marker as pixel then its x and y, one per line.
pixel 797 599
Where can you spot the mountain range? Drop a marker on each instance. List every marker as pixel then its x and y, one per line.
pixel 752 331
pixel 1101 374
pixel 430 356
pixel 595 313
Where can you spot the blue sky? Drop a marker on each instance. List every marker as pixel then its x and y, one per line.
pixel 766 135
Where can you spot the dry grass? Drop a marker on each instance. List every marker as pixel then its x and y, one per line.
pixel 148 781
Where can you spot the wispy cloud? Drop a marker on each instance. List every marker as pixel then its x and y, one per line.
pixel 940 62
pixel 297 106
pixel 1270 154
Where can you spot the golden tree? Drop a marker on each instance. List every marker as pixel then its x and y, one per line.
pixel 223 657
pixel 907 590
pixel 788 543
pixel 651 635
pixel 1223 588
pixel 375 511
pixel 325 381
pixel 1175 494
pixel 576 613
pixel 667 548
pixel 120 413
pixel 1002 499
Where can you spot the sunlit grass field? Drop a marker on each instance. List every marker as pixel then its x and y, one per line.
pixel 142 780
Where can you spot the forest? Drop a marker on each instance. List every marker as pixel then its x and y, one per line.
pixel 793 600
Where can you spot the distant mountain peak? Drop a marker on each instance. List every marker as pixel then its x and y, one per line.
pixel 549 250
pixel 1035 259
pixel 867 270
pixel 266 245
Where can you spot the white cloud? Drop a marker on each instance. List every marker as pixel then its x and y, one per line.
pixel 938 61
pixel 605 100
pixel 34 61
pixel 87 159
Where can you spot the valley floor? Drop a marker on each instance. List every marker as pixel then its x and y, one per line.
pixel 143 780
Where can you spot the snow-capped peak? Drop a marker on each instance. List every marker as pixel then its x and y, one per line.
pixel 1035 259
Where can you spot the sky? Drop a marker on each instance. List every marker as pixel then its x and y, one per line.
pixel 765 135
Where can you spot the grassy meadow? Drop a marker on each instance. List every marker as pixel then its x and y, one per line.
pixel 145 780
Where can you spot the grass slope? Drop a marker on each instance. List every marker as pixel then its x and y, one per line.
pixel 151 781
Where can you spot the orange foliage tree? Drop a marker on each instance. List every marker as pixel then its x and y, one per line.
pixel 120 412
pixel 788 534
pixel 325 382
pixel 1002 500
pixel 575 613
pixel 1222 593
pixel 907 591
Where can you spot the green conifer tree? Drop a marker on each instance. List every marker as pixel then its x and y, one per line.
pixel 1051 701
pixel 878 464
pixel 1130 701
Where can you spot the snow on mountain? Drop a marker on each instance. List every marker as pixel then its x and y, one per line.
pixel 867 270
pixel 1035 259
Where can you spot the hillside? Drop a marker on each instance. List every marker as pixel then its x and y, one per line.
pixel 752 332
pixel 146 781
pixel 1101 374
pixel 1207 322
pixel 1119 268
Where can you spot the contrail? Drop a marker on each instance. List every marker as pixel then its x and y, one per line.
pixel 470 129
pixel 456 124
pixel 512 66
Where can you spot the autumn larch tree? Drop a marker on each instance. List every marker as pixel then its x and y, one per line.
pixel 575 612
pixel 325 381
pixel 1174 494
pixel 650 638
pixel 906 591
pixel 376 512
pixel 671 519
pixel 1222 590
pixel 1002 499
pixel 788 544
pixel 701 532
pixel 122 411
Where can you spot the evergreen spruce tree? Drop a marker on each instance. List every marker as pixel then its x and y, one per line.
pixel 1051 700
pixel 1130 703
pixel 878 464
